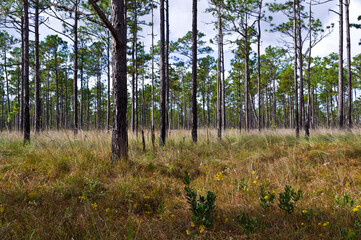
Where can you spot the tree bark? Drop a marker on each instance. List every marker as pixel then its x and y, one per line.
pixel 26 74
pixel 194 72
pixel 75 81
pixel 295 69
pixel 162 78
pixel 219 76
pixel 340 68
pixel 349 73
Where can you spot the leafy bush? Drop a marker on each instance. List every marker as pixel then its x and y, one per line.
pixel 203 208
pixel 288 199
pixel 249 224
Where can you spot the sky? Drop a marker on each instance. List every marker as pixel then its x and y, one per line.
pixel 181 23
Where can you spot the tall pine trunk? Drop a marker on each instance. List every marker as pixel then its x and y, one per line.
pixel 340 68
pixel 349 73
pixel 194 72
pixel 162 77
pixel 26 74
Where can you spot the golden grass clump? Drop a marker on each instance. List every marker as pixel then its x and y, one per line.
pixel 64 187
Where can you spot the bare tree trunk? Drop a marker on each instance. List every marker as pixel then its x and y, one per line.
pixel 81 91
pixel 223 91
pixel 118 28
pixel 295 69
pixel 246 77
pixel 349 73
pixel 259 62
pixel 307 124
pixel 75 81
pixel 167 66
pixel 7 92
pixel 300 57
pixel 22 74
pixel 219 76
pixel 152 127
pixel 340 68
pixel 194 72
pixel 26 74
pixel 162 78
pixel 108 75
pixel 37 109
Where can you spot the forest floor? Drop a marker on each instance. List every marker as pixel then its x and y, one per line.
pixel 61 187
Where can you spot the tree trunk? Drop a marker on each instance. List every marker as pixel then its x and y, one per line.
pixel 194 72
pixel 75 81
pixel 340 68
pixel 167 66
pixel 307 124
pixel 118 28
pixel 26 74
pixel 108 75
pixel 37 109
pixel 7 92
pixel 349 77
pixel 300 57
pixel 219 76
pixel 152 127
pixel 259 62
pixel 295 69
pixel 162 78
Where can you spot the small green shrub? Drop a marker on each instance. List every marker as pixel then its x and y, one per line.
pixel 288 199
pixel 249 224
pixel 266 198
pixel 203 208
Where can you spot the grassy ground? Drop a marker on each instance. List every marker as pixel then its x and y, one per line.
pixel 61 187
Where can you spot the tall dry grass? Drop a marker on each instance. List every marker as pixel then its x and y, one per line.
pixel 64 187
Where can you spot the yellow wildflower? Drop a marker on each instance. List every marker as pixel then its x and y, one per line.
pixel 146 197
pixel 326 223
pixel 257 177
pixel 218 176
pixel 82 197
pixel 266 197
pixel 321 235
pixel 302 224
pixel 319 224
pixel 201 228
pixel 226 220
pixel 192 224
pixel 304 211
pixel 188 233
pixel 355 209
pixel 107 210
pixel 254 182
pixel 253 172
pixel 95 205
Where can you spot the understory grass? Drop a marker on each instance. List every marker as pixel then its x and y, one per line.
pixel 64 187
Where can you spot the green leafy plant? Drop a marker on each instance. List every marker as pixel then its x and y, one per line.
pixel 345 200
pixel 241 185
pixel 288 199
pixel 249 224
pixel 203 208
pixel 307 214
pixel 266 198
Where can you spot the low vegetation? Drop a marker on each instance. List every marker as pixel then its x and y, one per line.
pixel 249 186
